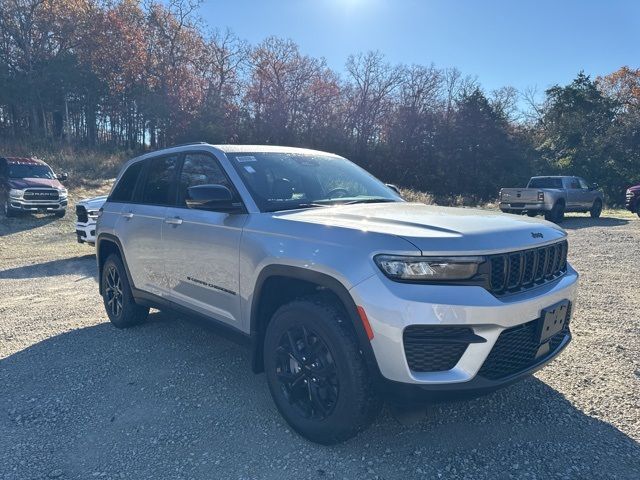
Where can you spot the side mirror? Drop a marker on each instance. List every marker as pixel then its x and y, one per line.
pixel 211 197
pixel 595 186
pixel 62 176
pixel 393 187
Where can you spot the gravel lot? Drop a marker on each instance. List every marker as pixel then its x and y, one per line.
pixel 171 399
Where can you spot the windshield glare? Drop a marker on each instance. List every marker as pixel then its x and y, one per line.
pixel 284 181
pixel 30 171
pixel 545 182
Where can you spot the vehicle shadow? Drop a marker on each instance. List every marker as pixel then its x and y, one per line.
pixel 85 266
pixel 170 396
pixel 576 223
pixel 24 222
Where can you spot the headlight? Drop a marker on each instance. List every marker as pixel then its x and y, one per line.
pixel 15 193
pixel 428 268
pixel 92 214
pixel 62 192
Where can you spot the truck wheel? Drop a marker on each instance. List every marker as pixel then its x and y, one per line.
pixel 532 214
pixel 556 214
pixel 119 303
pixel 596 209
pixel 8 211
pixel 316 375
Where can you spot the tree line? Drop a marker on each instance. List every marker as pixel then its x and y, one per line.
pixel 137 75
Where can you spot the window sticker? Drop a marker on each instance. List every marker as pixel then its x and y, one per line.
pixel 246 159
pixel 250 169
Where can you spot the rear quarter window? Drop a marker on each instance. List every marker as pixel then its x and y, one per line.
pixel 123 191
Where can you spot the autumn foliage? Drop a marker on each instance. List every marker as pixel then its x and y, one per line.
pixel 127 74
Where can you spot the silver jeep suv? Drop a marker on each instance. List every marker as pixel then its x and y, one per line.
pixel 346 294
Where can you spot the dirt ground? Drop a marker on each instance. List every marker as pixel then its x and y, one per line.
pixel 172 399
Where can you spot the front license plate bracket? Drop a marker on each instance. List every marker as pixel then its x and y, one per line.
pixel 553 320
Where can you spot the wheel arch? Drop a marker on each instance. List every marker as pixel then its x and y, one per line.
pixel 272 279
pixel 106 244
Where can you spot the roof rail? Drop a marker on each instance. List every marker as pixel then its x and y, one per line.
pixel 188 143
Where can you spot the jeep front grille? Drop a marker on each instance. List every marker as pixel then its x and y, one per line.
pixel 517 271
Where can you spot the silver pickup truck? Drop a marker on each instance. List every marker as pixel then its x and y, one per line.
pixel 553 196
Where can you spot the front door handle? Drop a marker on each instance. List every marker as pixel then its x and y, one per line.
pixel 173 221
pixel 128 215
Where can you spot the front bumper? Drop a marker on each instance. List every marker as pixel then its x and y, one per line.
pixel 631 202
pixel 391 307
pixel 38 205
pixel 86 232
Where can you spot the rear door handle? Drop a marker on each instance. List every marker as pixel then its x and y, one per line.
pixel 173 221
pixel 128 215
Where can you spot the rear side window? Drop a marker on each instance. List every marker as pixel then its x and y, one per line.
pixel 158 186
pixel 123 192
pixel 200 169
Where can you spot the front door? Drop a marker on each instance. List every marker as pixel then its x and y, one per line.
pixel 202 246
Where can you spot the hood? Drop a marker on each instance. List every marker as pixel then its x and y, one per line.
pixel 94 203
pixel 635 188
pixel 22 183
pixel 436 230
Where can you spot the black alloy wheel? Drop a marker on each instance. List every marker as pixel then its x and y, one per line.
pixel 306 373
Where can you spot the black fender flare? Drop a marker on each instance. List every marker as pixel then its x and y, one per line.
pixel 115 240
pixel 318 278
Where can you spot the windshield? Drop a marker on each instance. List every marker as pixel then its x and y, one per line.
pixel 284 181
pixel 24 170
pixel 545 182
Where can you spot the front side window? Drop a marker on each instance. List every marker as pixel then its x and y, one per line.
pixel 285 181
pixel 160 175
pixel 200 169
pixel 583 184
pixel 574 184
pixel 123 191
pixel 25 170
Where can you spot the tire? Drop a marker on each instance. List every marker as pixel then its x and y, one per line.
pixel 7 210
pixel 317 377
pixel 119 303
pixel 556 215
pixel 638 209
pixel 60 214
pixel 596 209
pixel 532 214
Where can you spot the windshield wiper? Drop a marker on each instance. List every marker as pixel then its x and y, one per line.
pixel 368 200
pixel 299 205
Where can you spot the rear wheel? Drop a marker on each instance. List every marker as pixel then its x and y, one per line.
pixel 532 214
pixel 596 209
pixel 316 375
pixel 556 214
pixel 119 303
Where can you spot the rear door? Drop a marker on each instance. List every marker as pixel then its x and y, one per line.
pixel 140 224
pixel 202 247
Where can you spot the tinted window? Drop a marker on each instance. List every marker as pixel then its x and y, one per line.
pixel 160 175
pixel 200 169
pixel 574 184
pixel 123 191
pixel 545 182
pixel 583 183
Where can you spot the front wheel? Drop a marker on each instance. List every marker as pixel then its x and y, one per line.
pixel 119 303
pixel 8 211
pixel 532 214
pixel 596 209
pixel 317 377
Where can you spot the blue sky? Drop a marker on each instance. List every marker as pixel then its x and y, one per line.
pixel 519 43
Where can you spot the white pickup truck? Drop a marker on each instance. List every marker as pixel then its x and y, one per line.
pixel 553 196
